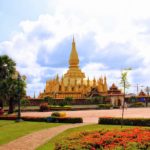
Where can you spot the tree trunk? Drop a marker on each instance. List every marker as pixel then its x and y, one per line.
pixel 1 103
pixel 11 106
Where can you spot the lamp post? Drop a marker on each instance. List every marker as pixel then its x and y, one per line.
pixel 19 102
pixel 147 90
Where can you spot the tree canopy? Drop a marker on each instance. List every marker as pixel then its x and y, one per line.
pixel 10 86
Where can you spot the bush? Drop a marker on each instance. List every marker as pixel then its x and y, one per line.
pixel 25 118
pixel 44 107
pixel 126 121
pixel 49 100
pixel 137 104
pixel 60 107
pixel 1 111
pixel 58 114
pixel 68 100
pixel 25 102
pixel 65 120
pixel 105 106
pixel 62 103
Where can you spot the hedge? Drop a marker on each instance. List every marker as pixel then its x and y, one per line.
pixel 137 104
pixel 25 118
pixel 45 119
pixel 105 106
pixel 65 120
pixel 126 121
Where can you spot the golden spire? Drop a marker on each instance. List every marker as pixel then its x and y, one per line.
pixel 105 84
pixel 88 82
pixel 57 78
pixel 73 60
pixel 94 82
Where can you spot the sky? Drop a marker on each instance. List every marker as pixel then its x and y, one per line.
pixel 110 35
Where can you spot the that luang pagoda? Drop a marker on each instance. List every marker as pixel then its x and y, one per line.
pixel 74 84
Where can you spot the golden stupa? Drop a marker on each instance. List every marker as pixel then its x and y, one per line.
pixel 73 83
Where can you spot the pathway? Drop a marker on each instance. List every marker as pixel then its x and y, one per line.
pixel 91 116
pixel 34 140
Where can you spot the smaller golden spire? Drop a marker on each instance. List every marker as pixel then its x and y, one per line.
pixel 62 79
pixel 105 84
pixel 57 78
pixel 88 82
pixel 94 82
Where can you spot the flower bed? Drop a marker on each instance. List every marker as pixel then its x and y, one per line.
pixel 135 138
pixel 126 121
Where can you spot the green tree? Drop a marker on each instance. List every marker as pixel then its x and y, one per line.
pixel 49 100
pixel 25 102
pixel 9 83
pixel 7 69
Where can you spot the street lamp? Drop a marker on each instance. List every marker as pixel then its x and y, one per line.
pixel 147 90
pixel 19 102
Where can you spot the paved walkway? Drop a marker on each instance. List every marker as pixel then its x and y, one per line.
pixel 34 140
pixel 91 116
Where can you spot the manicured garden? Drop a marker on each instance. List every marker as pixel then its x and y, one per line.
pixel 98 137
pixel 11 130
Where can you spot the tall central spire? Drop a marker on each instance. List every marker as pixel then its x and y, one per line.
pixel 73 60
pixel 74 71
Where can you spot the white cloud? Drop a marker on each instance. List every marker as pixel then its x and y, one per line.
pixel 117 21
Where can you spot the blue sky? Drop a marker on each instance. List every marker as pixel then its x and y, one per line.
pixel 110 35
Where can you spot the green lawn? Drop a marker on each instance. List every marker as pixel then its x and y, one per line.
pixel 60 137
pixel 10 130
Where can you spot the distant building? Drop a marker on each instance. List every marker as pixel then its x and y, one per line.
pixel 116 97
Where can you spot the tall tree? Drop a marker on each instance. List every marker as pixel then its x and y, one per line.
pixel 7 69
pixel 9 83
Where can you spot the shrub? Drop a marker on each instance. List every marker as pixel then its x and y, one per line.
pixel 68 100
pixel 44 107
pixel 65 120
pixel 1 111
pixel 25 102
pixel 105 106
pixel 137 104
pixel 38 119
pixel 60 107
pixel 49 100
pixel 62 103
pixel 25 118
pixel 58 114
pixel 126 121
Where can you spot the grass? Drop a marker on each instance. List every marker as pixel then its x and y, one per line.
pixel 11 130
pixel 51 144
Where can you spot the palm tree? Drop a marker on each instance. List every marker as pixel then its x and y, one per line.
pixel 8 84
pixel 7 69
